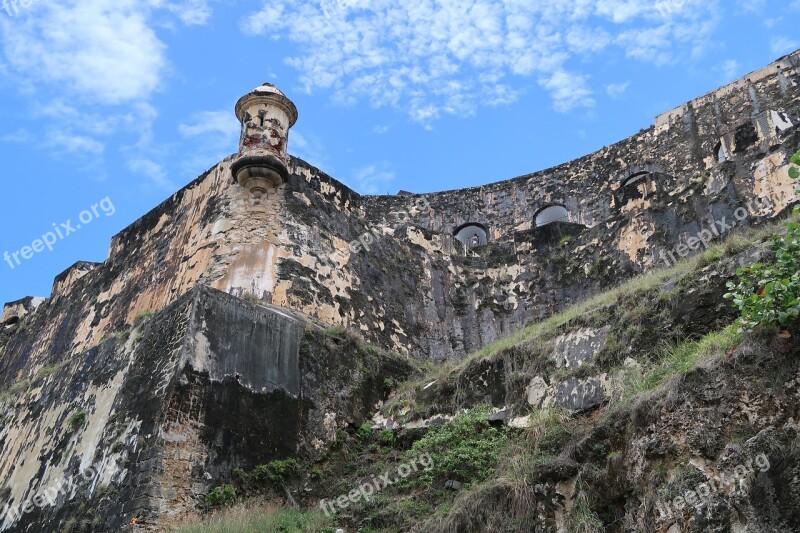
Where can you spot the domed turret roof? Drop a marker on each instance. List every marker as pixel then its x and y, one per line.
pixel 268 90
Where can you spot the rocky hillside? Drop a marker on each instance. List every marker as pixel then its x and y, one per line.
pixel 640 409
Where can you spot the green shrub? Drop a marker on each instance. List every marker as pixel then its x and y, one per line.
pixel 240 476
pixel 224 496
pixel 387 438
pixel 275 473
pixel 47 370
pixel 252 298
pixel 77 419
pixel 465 449
pixel 365 433
pixel 582 519
pixel 768 294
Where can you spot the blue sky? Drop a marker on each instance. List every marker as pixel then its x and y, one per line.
pixel 130 100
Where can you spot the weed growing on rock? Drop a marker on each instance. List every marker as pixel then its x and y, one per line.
pixel 246 517
pixel 582 519
pixel 678 359
pixel 77 419
pixel 142 317
pixel 252 298
pixel 336 330
pixel 276 472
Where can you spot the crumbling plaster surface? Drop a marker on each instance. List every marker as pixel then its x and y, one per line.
pixel 409 287
pixel 412 289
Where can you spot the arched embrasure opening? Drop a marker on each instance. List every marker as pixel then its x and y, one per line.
pixel 472 235
pixel 549 214
pixel 633 179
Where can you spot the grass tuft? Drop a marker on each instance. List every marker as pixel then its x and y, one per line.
pixel 246 517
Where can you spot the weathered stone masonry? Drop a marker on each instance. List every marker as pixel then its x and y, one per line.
pixel 269 226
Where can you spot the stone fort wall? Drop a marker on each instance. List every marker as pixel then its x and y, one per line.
pixel 409 286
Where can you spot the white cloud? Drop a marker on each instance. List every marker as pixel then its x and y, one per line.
pixel 61 141
pixel 730 69
pixel 380 130
pixel 443 57
pixel 783 45
pixel 752 6
pixel 615 90
pixel 212 122
pixel 102 50
pixel 152 171
pixel 310 148
pixel 584 39
pixel 192 12
pixel 373 179
pixel 58 141
pixel 569 91
pixel 214 134
pixel 20 136
pixel 104 58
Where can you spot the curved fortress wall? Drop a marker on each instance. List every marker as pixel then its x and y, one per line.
pixel 152 394
pixel 410 285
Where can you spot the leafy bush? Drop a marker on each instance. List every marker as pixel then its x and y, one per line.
pixel 364 433
pixel 465 449
pixel 77 419
pixel 276 472
pixel 769 294
pixel 387 438
pixel 221 496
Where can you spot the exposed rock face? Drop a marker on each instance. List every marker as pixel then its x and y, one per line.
pixel 389 267
pixel 713 450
